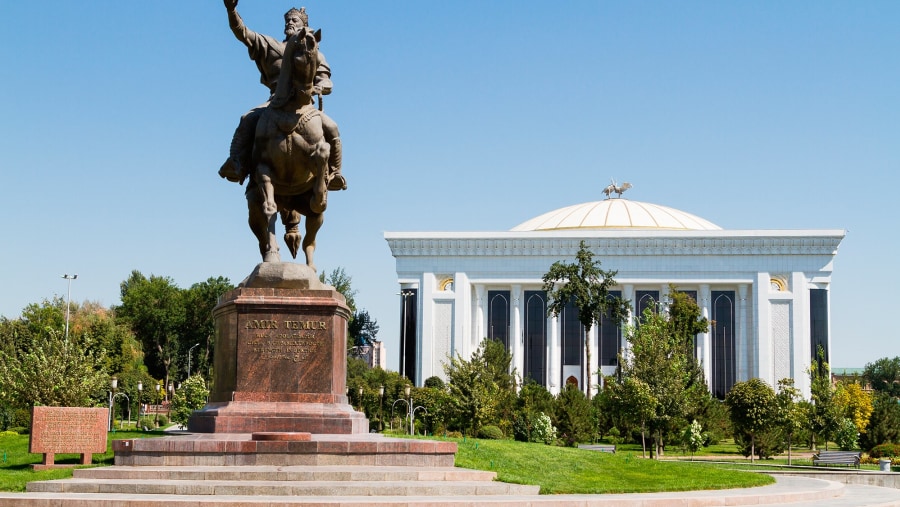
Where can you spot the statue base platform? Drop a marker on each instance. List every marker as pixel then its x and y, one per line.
pixel 229 449
pixel 281 358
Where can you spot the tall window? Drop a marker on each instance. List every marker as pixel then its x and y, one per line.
pixel 723 353
pixel 610 337
pixel 645 299
pixel 818 322
pixel 408 326
pixel 536 336
pixel 498 316
pixel 572 336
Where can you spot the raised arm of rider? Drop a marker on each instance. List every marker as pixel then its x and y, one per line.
pixel 240 30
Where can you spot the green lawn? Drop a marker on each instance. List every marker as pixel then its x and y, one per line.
pixel 568 470
pixel 16 471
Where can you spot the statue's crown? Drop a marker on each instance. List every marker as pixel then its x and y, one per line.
pixel 300 12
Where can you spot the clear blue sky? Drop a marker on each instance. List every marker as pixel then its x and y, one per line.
pixel 455 116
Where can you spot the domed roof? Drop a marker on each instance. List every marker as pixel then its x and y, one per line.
pixel 617 214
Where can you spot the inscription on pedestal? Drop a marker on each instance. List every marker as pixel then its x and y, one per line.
pixel 282 353
pixel 291 340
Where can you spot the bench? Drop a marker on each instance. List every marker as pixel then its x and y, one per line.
pixel 826 458
pixel 598 447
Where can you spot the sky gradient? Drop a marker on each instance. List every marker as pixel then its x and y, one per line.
pixel 455 116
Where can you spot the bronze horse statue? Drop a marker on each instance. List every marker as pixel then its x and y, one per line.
pixel 290 171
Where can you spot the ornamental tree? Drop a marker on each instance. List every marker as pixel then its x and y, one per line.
pixel 586 286
pixel 752 405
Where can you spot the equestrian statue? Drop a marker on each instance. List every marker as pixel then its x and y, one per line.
pixel 288 148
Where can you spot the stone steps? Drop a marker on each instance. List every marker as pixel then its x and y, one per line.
pixel 283 481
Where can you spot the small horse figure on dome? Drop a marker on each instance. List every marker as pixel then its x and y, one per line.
pixel 615 189
pixel 290 172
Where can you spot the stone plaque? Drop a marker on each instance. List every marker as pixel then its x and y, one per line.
pixel 56 430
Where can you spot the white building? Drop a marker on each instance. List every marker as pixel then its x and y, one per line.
pixel 766 291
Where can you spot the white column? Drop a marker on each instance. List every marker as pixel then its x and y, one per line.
pixel 480 317
pixel 628 295
pixel 426 362
pixel 594 366
pixel 463 317
pixel 760 362
pixel 515 329
pixel 554 357
pixel 802 334
pixel 704 349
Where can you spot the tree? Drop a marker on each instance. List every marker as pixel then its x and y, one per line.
pixel 826 415
pixel 752 405
pixel 154 309
pixel 692 438
pixel 362 329
pixel 884 425
pixel 341 282
pixel 585 285
pixel 199 328
pixel 532 402
pixel 789 415
pixel 53 371
pixel 481 388
pixel 633 399
pixel 884 375
pixel 854 403
pixel 573 416
pixel 657 357
pixel 190 397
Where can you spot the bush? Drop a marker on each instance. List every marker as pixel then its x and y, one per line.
pixel 543 430
pixel 885 451
pixel 846 435
pixel 163 420
pixel 769 442
pixel 490 432
pixel 454 434
pixel 613 436
pixel 19 430
pixel 434 382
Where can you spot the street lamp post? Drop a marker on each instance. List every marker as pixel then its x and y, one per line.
pixel 360 399
pixel 411 410
pixel 156 411
pixel 189 358
pixel 68 299
pixel 128 405
pixel 113 383
pixel 171 395
pixel 140 401
pixel 381 408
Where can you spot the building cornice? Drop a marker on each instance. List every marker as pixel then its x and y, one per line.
pixel 613 243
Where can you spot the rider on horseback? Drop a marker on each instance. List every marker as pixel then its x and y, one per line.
pixel 267 53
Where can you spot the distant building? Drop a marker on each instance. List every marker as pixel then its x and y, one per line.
pixel 373 355
pixel 850 374
pixel 766 292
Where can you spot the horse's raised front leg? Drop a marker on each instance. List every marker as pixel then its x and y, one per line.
pixel 270 210
pixel 263 228
pixel 319 200
pixel 314 222
pixel 266 189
